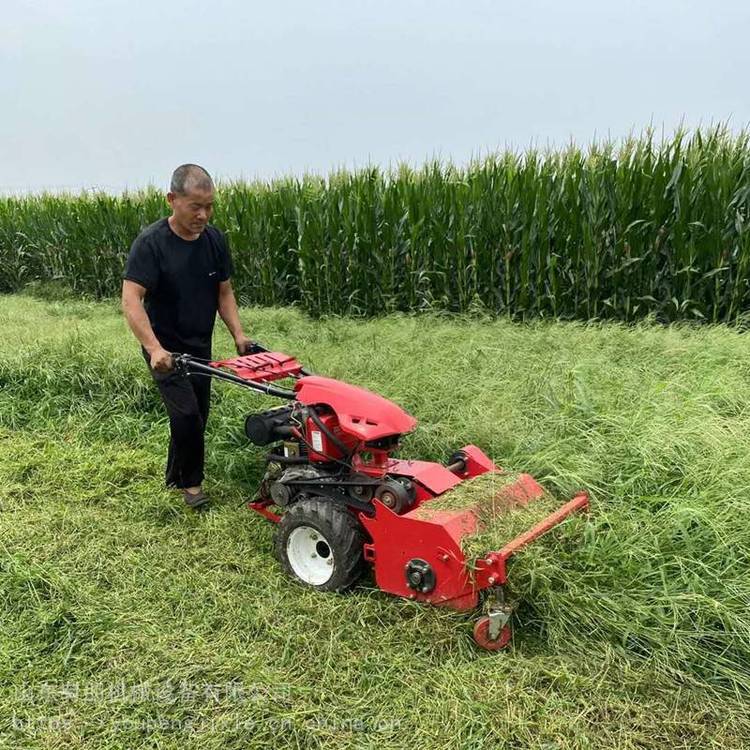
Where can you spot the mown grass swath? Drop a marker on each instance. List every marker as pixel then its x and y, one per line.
pixel 645 227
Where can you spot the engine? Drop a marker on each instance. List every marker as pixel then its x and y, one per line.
pixel 306 432
pixel 312 456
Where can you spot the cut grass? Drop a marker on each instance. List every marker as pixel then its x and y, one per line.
pixel 634 629
pixel 493 500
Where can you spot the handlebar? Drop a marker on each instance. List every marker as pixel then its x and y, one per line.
pixel 188 365
pixel 254 348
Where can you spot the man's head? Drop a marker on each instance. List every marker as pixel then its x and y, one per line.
pixel 191 197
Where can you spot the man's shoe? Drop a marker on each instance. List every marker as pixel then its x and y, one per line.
pixel 195 499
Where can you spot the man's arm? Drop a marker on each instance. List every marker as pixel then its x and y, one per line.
pixel 230 315
pixel 140 325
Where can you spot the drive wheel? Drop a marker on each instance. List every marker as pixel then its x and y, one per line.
pixel 319 543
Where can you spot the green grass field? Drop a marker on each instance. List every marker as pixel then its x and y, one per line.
pixel 128 621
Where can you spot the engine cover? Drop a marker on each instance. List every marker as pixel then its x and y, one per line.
pixel 361 413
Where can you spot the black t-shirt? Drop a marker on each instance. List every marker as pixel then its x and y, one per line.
pixel 181 278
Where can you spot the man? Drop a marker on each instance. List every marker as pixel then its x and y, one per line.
pixel 175 280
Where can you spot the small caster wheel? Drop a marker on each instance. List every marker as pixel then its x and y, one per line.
pixel 482 635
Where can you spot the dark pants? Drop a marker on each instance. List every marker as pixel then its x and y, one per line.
pixel 187 401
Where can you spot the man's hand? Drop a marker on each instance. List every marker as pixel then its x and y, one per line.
pixel 161 360
pixel 243 343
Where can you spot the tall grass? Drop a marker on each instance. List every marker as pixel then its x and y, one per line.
pixel 634 626
pixel 653 422
pixel 645 227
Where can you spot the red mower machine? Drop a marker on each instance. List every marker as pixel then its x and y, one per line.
pixel 344 501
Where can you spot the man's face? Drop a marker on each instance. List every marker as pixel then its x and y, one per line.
pixel 192 210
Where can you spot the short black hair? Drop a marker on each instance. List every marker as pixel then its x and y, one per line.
pixel 190 177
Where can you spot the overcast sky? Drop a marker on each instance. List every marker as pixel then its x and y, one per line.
pixel 114 94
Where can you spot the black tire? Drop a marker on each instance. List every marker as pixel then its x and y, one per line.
pixel 329 533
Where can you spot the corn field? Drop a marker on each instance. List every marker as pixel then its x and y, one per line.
pixel 643 228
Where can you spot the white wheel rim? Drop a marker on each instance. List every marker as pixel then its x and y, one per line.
pixel 310 555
